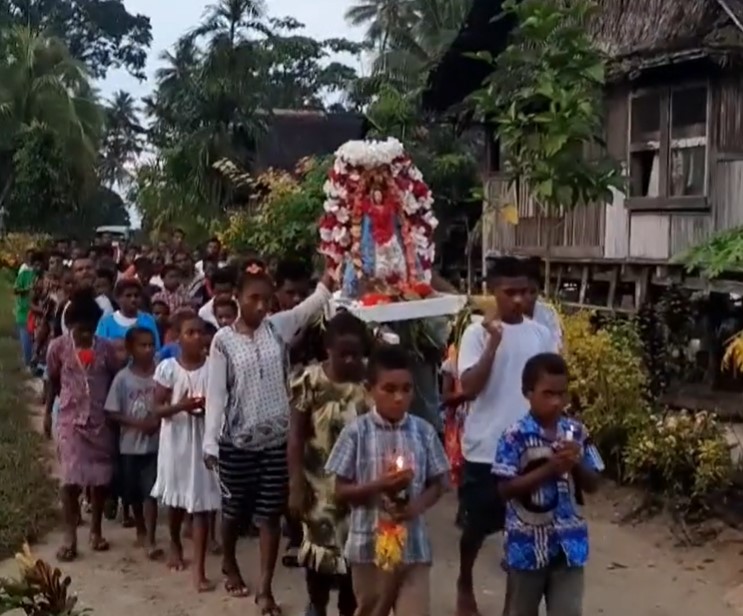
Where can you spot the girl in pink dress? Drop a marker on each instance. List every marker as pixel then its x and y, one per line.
pixel 81 367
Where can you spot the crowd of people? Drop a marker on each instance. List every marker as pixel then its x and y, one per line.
pixel 201 386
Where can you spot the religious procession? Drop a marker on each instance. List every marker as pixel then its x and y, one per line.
pixel 394 354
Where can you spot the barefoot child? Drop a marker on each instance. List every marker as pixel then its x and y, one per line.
pixel 325 398
pixel 184 484
pixel 130 405
pixel 80 367
pixel 362 460
pixel 542 464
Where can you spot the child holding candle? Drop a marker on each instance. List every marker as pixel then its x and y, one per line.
pixel 184 484
pixel 541 464
pixel 389 464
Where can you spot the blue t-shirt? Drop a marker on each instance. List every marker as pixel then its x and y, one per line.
pixel 112 328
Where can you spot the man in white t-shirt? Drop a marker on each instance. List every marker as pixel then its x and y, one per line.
pixel 491 359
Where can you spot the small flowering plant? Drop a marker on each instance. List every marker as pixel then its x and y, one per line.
pixel 378 219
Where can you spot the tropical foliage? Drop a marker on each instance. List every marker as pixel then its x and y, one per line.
pixel 102 35
pixel 52 127
pixel 545 95
pixel 681 455
pixel 282 220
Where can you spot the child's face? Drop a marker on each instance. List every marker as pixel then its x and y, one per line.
pixel 292 292
pixel 142 349
pixel 191 337
pixel 161 312
pixel 549 397
pixel 102 286
pixel 68 284
pixel 255 302
pixel 225 315
pixel 129 300
pixel 172 280
pixel 83 333
pixel 392 393
pixel 346 355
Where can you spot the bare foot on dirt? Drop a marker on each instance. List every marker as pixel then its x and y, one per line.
pixel 176 562
pixel 203 584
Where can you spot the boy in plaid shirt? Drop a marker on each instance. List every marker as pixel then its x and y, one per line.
pixel 363 460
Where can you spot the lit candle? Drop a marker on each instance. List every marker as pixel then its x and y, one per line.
pixel 399 463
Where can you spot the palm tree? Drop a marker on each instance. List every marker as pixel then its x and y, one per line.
pixel 123 139
pixel 418 46
pixel 41 84
pixel 382 18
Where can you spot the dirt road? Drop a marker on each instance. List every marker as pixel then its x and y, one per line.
pixel 633 570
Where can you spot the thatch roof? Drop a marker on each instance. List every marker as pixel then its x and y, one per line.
pixel 639 33
pixel 636 34
pixel 293 135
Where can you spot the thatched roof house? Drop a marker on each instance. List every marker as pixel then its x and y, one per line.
pixel 673 118
pixel 295 134
pixel 635 34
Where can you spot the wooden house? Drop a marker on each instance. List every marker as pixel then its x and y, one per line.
pixel 673 118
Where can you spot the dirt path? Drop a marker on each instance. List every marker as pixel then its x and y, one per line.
pixel 634 570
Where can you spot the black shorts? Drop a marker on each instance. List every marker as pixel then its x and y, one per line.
pixel 254 484
pixel 481 512
pixel 137 475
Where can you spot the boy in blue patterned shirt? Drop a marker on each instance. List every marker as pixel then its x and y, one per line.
pixel 543 464
pixel 381 454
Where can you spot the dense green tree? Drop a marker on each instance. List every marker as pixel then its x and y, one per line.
pixel 100 33
pixel 214 98
pixel 43 87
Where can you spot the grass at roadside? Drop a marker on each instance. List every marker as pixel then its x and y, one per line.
pixel 27 492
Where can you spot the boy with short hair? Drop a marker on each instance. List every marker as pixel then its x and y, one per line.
pixel 173 293
pixel 223 283
pixel 226 312
pixel 543 464
pixel 363 461
pixel 130 404
pixel 491 359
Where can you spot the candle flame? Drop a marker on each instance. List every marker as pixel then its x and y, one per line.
pixel 399 463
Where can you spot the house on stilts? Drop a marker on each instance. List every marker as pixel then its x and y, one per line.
pixel 673 119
